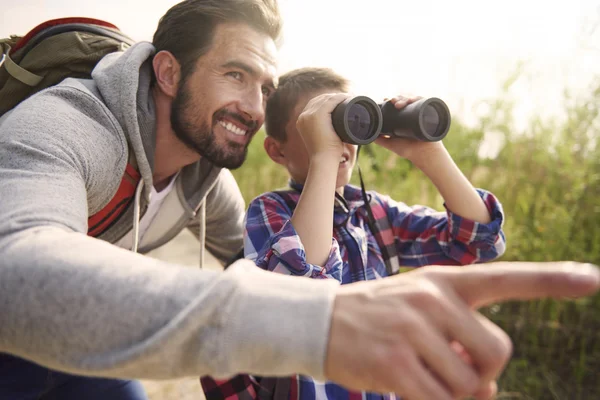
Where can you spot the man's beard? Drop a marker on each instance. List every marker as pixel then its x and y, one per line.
pixel 199 137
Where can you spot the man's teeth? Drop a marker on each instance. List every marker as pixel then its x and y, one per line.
pixel 343 159
pixel 232 128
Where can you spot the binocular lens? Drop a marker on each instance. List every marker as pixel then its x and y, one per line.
pixel 359 121
pixel 431 120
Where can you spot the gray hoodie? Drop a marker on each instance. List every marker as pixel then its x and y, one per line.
pixel 85 306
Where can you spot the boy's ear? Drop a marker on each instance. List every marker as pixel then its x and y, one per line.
pixel 273 149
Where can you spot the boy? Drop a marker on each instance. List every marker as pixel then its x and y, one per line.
pixel 291 231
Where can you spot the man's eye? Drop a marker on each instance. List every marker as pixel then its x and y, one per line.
pixel 267 92
pixel 235 75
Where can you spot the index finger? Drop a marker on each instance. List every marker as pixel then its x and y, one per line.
pixel 484 284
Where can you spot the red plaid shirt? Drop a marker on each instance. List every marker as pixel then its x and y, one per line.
pixel 421 235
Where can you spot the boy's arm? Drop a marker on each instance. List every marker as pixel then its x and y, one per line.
pixel 425 236
pixel 313 217
pixel 470 231
pixel 436 163
pixel 272 242
pixel 458 193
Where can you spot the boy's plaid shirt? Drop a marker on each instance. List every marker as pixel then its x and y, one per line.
pixel 423 237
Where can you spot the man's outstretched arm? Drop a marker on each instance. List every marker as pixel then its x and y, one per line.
pixel 81 305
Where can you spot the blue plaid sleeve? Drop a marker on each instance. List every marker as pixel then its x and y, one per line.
pixel 272 242
pixel 240 387
pixel 427 237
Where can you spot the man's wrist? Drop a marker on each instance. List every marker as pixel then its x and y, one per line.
pixel 292 337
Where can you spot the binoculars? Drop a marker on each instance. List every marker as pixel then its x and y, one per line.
pixel 360 120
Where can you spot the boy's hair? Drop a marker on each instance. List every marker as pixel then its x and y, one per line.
pixel 187 28
pixel 293 85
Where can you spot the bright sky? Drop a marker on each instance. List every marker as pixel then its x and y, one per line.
pixel 458 50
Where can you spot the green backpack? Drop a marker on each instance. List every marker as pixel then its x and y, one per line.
pixel 52 51
pixel 55 50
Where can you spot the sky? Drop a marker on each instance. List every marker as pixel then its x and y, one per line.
pixel 458 50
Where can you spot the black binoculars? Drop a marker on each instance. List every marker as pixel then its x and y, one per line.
pixel 360 120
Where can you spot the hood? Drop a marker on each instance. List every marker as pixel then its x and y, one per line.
pixel 123 79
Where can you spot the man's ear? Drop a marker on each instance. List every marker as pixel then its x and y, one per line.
pixel 274 150
pixel 167 71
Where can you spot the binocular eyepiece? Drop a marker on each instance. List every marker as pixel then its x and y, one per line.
pixel 359 120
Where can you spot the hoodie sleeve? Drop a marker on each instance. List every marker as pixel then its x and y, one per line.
pixel 81 305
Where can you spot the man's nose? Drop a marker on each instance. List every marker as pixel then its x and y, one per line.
pixel 253 105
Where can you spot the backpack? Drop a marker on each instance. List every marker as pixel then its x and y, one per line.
pixel 49 53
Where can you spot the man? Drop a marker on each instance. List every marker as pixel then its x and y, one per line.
pixel 175 112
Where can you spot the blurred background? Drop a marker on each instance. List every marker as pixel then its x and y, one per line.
pixel 521 79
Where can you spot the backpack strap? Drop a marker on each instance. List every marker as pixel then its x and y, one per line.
pixel 104 218
pixel 17 72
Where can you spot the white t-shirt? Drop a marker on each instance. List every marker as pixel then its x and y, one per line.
pixel 156 200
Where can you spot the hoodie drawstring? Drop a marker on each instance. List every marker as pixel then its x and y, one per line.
pixel 136 216
pixel 201 215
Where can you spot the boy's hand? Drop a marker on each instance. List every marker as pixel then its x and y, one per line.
pixel 412 150
pixel 316 128
pixel 437 164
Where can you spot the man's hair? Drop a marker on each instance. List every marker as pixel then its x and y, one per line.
pixel 187 29
pixel 293 85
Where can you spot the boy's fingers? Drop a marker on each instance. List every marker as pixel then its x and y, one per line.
pixel 325 102
pixel 412 99
pixel 333 102
pixel 399 102
pixel 402 101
